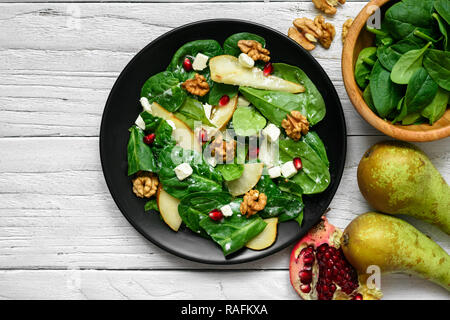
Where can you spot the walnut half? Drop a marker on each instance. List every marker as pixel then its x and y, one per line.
pixel 253 202
pixel 254 50
pixel 145 184
pixel 347 24
pixel 223 149
pixel 327 6
pixel 295 125
pixel 196 86
pixel 309 32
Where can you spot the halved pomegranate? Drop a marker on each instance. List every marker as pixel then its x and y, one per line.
pixel 319 271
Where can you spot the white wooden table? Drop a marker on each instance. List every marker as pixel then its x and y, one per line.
pixel 61 234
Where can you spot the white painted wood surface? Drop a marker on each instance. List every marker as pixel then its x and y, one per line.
pixel 61 235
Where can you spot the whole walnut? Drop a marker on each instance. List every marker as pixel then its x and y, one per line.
pixel 145 184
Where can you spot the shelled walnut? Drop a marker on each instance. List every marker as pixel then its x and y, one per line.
pixel 145 184
pixel 254 50
pixel 295 125
pixel 308 32
pixel 328 31
pixel 327 6
pixel 253 202
pixel 347 24
pixel 196 86
pixel 223 149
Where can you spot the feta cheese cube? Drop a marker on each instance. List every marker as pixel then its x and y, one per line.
pixel 226 210
pixel 200 61
pixel 140 122
pixel 272 132
pixel 146 105
pixel 274 172
pixel 208 108
pixel 288 169
pixel 183 171
pixel 172 124
pixel 246 61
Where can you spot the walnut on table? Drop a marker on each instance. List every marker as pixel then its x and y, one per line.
pixel 223 149
pixel 254 50
pixel 311 31
pixel 327 6
pixel 145 184
pixel 347 24
pixel 253 202
pixel 295 125
pixel 196 86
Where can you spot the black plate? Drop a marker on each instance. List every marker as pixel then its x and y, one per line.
pixel 123 107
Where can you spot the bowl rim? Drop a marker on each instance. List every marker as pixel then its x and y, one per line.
pixel 354 93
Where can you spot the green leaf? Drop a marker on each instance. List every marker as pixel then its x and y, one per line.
pixel 420 92
pixel 204 177
pixel 444 29
pixel 234 232
pixel 231 171
pixel 403 111
pixel 367 95
pixel 389 56
pixel 362 68
pixel 437 63
pixel 247 121
pixel 151 205
pixel 140 156
pixel 219 90
pixel 385 93
pixel 443 8
pixel 191 111
pixel 411 118
pixel 164 88
pixel 436 109
pixel 159 126
pixel 314 141
pixel 230 46
pixel 408 63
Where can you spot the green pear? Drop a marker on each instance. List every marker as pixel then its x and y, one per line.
pixel 397 178
pixel 394 246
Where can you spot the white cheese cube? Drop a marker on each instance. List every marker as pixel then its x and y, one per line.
pixel 226 210
pixel 183 171
pixel 140 122
pixel 172 124
pixel 208 109
pixel 200 62
pixel 246 61
pixel 146 105
pixel 272 132
pixel 274 172
pixel 288 169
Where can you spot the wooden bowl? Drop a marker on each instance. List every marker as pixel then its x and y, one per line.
pixel 357 39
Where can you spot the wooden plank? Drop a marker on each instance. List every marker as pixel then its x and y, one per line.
pixel 52 87
pixel 158 285
pixel 56 211
pixel 151 1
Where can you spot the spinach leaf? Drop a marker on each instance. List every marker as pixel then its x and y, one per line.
pixel 160 127
pixel 231 171
pixel 385 93
pixel 408 63
pixel 411 118
pixel 195 206
pixel 314 176
pixel 218 90
pixel 204 177
pixel 408 15
pixel 314 141
pixel 230 46
pixel 367 96
pixel 234 232
pixel 443 8
pixel 437 63
pixel 151 205
pixel 444 29
pixel 192 111
pixel 311 98
pixel 140 156
pixel 420 92
pixel 389 56
pixel 436 109
pixel 279 204
pixel 211 48
pixel 247 121
pixel 165 89
pixel 364 65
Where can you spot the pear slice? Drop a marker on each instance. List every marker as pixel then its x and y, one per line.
pixel 250 177
pixel 168 207
pixel 183 135
pixel 221 115
pixel 266 238
pixel 227 69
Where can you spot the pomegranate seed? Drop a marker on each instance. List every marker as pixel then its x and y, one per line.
pixel 332 288
pixel 150 138
pixel 307 267
pixel 358 297
pixel 305 276
pixel 224 100
pixel 216 215
pixel 306 288
pixel 308 259
pixel 298 163
pixel 203 135
pixel 268 69
pixel 187 64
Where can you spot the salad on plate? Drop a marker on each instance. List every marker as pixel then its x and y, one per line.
pixel 225 144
